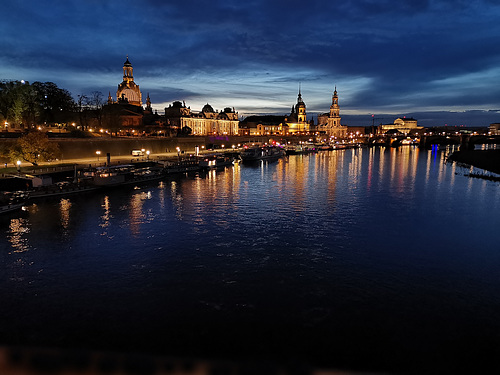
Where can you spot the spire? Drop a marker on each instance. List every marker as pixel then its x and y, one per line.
pixel 127 63
pixel 299 98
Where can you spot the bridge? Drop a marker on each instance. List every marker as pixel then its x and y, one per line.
pixel 466 141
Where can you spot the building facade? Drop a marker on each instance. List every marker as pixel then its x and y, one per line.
pixel 205 122
pixel 262 125
pixel 494 128
pixel 403 125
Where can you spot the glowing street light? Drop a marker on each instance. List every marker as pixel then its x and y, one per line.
pixel 147 154
pixel 18 166
pixel 98 153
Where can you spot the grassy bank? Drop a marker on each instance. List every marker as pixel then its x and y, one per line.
pixel 485 159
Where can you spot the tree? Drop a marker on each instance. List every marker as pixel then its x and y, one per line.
pixel 33 148
pixel 18 103
pixel 96 102
pixel 55 103
pixel 28 105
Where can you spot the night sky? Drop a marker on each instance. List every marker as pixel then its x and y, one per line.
pixel 438 61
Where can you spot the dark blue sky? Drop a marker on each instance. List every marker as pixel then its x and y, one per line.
pixel 416 58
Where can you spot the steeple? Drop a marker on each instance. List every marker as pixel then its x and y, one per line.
pixel 110 99
pixel 300 108
pixel 299 98
pixel 334 118
pixel 148 103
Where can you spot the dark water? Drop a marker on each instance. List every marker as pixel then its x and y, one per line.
pixel 369 259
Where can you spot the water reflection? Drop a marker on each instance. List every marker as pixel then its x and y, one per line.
pixel 176 199
pixel 17 235
pixel 64 212
pixel 138 215
pixel 106 216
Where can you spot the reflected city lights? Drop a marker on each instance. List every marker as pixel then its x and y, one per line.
pixel 106 216
pixel 16 235
pixel 64 208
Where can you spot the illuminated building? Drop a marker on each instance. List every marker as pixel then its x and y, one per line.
pixel 262 125
pixel 205 122
pixel 296 122
pixel 127 110
pixel 403 125
pixel 494 129
pixel 329 123
pixel 128 91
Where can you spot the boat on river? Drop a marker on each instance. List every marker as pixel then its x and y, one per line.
pixel 12 201
pixel 61 189
pixel 125 174
pixel 262 153
pixel 323 147
pixel 181 165
pixel 299 149
pixel 215 161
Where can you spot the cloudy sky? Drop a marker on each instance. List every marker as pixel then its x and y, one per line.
pixel 435 60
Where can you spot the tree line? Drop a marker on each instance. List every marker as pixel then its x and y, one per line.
pixel 24 105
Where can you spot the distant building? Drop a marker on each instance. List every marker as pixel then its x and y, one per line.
pixel 403 125
pixel 205 122
pixel 495 128
pixel 329 123
pixel 262 125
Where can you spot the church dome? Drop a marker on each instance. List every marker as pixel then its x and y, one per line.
pixel 131 95
pixel 207 108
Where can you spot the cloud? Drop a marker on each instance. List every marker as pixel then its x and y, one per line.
pixel 385 56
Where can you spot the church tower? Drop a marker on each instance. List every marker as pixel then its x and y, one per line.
pixel 128 91
pixel 300 109
pixel 334 128
pixel 334 117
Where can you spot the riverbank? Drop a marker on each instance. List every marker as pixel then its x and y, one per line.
pixel 488 160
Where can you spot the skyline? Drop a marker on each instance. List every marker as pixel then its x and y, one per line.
pixel 436 61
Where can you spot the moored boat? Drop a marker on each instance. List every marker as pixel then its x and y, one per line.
pixel 181 166
pixel 262 153
pixel 124 174
pixel 12 201
pixel 216 161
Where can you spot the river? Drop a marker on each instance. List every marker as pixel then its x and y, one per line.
pixel 366 259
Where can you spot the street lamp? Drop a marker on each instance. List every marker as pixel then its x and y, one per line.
pixel 178 152
pixel 98 153
pixel 147 153
pixel 18 166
